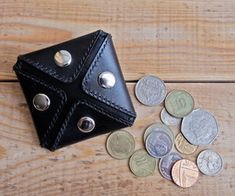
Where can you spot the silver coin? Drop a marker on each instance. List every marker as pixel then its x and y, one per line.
pixel 158 144
pixel 199 127
pixel 168 119
pixel 158 127
pixel 150 90
pixel 209 162
pixel 166 163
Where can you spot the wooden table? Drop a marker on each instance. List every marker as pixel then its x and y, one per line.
pixel 189 44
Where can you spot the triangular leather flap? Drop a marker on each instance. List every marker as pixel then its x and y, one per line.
pixel 45 121
pixel 117 96
pixel 79 48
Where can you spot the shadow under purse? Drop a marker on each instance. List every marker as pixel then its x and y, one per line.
pixel 75 90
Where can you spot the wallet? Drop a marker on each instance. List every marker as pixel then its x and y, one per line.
pixel 75 90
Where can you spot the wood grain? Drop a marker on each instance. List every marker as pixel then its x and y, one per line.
pixel 85 168
pixel 177 40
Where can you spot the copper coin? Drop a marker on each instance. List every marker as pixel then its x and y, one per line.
pixel 184 173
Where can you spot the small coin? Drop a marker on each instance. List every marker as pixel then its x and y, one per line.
pixel 199 127
pixel 120 144
pixel 150 90
pixel 169 119
pixel 158 127
pixel 158 144
pixel 166 163
pixel 183 146
pixel 179 103
pixel 209 162
pixel 141 163
pixel 184 173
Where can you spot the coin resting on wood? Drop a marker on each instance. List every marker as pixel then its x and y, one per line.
pixel 198 128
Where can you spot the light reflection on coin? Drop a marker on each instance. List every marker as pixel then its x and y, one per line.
pixel 209 162
pixel 120 144
pixel 168 119
pixel 142 164
pixel 184 173
pixel 158 144
pixel 150 90
pixel 166 163
pixel 158 127
pixel 183 146
pixel 199 127
pixel 179 103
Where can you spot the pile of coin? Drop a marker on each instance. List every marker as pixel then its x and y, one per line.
pixel 198 127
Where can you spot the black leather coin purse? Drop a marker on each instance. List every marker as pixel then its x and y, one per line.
pixel 75 90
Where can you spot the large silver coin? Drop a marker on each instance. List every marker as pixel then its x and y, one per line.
pixel 168 119
pixel 150 90
pixel 209 162
pixel 158 144
pixel 166 163
pixel 199 127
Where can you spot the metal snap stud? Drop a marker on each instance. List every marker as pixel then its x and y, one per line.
pixel 86 124
pixel 62 58
pixel 41 102
pixel 106 79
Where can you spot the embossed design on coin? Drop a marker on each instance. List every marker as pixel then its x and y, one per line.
pixel 142 164
pixel 183 146
pixel 120 144
pixel 168 119
pixel 158 144
pixel 199 127
pixel 179 103
pixel 166 163
pixel 150 90
pixel 184 173
pixel 209 162
pixel 158 127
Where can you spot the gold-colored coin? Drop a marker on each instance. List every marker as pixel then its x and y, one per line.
pixel 120 144
pixel 183 146
pixel 141 163
pixel 185 173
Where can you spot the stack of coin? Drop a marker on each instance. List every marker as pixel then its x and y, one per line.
pixel 198 128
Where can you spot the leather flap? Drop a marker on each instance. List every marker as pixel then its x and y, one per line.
pixel 79 48
pixel 117 97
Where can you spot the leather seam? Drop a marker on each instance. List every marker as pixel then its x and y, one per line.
pixel 53 72
pixel 58 110
pixel 98 109
pixel 97 94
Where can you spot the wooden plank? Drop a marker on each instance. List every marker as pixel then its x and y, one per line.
pixel 85 168
pixel 174 39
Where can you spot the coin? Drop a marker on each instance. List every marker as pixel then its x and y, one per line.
pixel 120 144
pixel 166 163
pixel 141 163
pixel 169 119
pixel 199 127
pixel 184 173
pixel 158 127
pixel 179 103
pixel 150 90
pixel 183 146
pixel 158 144
pixel 209 162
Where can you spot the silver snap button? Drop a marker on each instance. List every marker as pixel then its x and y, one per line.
pixel 86 124
pixel 41 102
pixel 106 79
pixel 63 58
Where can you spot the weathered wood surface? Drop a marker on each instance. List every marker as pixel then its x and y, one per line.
pixel 86 169
pixel 175 39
